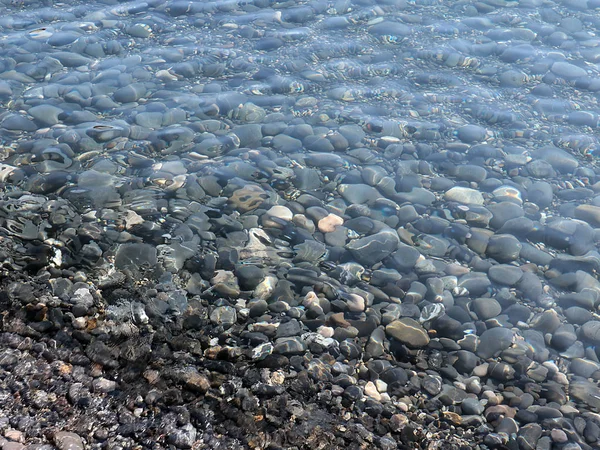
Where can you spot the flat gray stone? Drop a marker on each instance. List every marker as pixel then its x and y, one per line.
pixel 464 195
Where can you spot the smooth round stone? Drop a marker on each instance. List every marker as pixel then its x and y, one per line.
pixel 46 114
pixel 330 223
pixel 288 329
pixel 352 393
pixel 560 160
pixel 355 303
pixel 541 194
pixel 149 119
pixel 225 283
pixel 249 276
pixel 493 341
pixel 466 361
pixel 577 315
pixel 518 313
pixel 416 196
pixel 130 93
pixel 375 347
pixel 258 308
pixel 67 441
pixel 394 375
pixel 290 346
pixel 539 168
pixel 503 248
pixel 508 194
pixel 409 332
pixel 464 195
pixel 472 406
pixel 584 367
pixel 591 332
pixel 476 283
pixel 546 322
pixel 387 29
pixel 512 78
pixel 17 122
pixel 589 214
pixel 477 216
pixel 451 395
pixel 69 59
pixel 486 308
pixel 432 384
pixel 503 212
pixel 280 212
pixel 519 227
pixel 586 392
pixel 470 172
pixel 288 144
pixel 529 435
pixel 372 249
pixel 63 38
pixel 567 70
pixel 505 274
pixel 404 259
pixel 358 193
pixel 563 337
pixel 560 437
pixel 471 133
pixel 433 246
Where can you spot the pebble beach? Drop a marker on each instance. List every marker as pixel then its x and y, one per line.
pixel 311 224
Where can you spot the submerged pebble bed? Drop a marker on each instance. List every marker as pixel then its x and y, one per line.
pixel 300 224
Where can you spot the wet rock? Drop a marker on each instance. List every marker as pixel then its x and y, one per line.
pixel 493 341
pixel 223 315
pixel 68 441
pixel 409 332
pixel 464 195
pixel 591 332
pixel 135 256
pixel 503 248
pixel 290 346
pixel 589 214
pixel 505 274
pixel 567 70
pixel 586 392
pixel 486 308
pixel 249 276
pixel 471 133
pixel 372 249
pixel 560 160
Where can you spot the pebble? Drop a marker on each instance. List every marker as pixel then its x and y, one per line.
pixel 505 274
pixel 464 195
pixel 493 341
pixel 224 315
pixel 68 441
pixel 372 249
pixel 589 214
pixel 486 308
pixel 409 332
pixel 591 331
pixel 503 248
pixel 329 223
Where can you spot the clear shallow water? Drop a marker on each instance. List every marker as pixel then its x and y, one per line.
pixel 159 134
